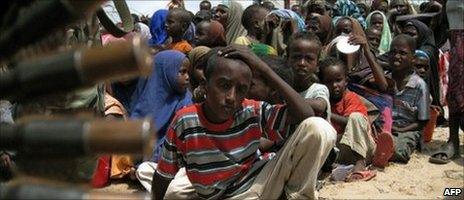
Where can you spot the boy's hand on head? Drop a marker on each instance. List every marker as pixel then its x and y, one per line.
pixel 245 54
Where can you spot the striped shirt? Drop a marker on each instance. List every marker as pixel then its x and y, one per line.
pixel 218 157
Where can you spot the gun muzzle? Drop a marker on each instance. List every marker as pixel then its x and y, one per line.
pixel 41 19
pixel 70 138
pixel 76 69
pixel 45 191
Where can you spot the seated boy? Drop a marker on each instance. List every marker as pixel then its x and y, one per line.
pixel 349 117
pixel 177 22
pixel 217 141
pixel 411 100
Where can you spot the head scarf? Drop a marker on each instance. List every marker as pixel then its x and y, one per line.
pixel 386 33
pixel 157 95
pixel 350 9
pixel 408 4
pixel 290 15
pixel 326 26
pixel 197 54
pixel 216 34
pixel 157 27
pixel 421 54
pixel 263 49
pixel 189 34
pixel 144 31
pixel 425 34
pixel 234 27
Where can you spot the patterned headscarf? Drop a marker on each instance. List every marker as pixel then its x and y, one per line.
pixel 349 9
pixel 263 49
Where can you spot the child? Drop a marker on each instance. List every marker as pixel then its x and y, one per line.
pixel 303 51
pixel 177 22
pixel 198 57
pixel 217 141
pixel 210 34
pixel 349 117
pixel 253 21
pixel 411 99
pixel 230 16
pixel 160 96
pixel 422 64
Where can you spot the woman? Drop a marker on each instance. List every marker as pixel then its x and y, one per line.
pixel 322 26
pixel 230 16
pixel 378 20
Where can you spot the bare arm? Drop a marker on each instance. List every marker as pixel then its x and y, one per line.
pixel 338 119
pixel 296 104
pixel 417 126
pixel 318 104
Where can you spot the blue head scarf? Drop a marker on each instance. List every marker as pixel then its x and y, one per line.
pixel 157 27
pixel 158 96
pixel 289 14
pixel 348 8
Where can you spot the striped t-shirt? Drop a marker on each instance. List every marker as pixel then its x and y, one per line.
pixel 217 157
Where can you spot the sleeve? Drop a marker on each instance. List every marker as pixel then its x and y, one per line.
pixel 242 40
pixel 321 91
pixel 273 121
pixel 354 104
pixel 423 103
pixel 170 159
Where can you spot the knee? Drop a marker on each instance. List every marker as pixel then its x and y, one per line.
pixel 358 117
pixel 318 129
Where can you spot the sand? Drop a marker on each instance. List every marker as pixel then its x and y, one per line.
pixel 418 179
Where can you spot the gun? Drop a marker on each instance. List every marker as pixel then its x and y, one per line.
pixel 76 69
pixel 41 19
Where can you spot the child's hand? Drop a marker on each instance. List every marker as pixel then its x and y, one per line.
pixel 5 160
pixel 245 54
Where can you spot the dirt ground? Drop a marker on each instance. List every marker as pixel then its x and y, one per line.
pixel 418 179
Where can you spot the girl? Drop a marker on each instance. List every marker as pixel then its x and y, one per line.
pixel 210 34
pixel 378 20
pixel 230 16
pixel 162 94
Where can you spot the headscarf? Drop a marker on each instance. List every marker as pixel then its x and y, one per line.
pixel 408 4
pixel 290 15
pixel 263 49
pixel 197 54
pixel 216 34
pixel 350 9
pixel 386 33
pixel 144 31
pixel 157 95
pixel 189 34
pixel 157 27
pixel 326 26
pixel 234 27
pixel 421 54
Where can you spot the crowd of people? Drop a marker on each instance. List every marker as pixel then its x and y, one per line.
pixel 261 102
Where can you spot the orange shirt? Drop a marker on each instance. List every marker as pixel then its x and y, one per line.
pixel 182 46
pixel 349 103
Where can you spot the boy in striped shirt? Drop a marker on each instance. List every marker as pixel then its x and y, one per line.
pixel 216 142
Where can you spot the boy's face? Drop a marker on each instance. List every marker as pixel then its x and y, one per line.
pixel 259 90
pixel 335 80
pixel 343 26
pixel 174 25
pixel 183 80
pixel 421 65
pixel 303 58
pixel 259 21
pixel 226 89
pixel 400 55
pixel 377 21
pixel 201 34
pixel 373 37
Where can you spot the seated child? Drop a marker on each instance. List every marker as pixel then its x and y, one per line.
pixel 160 96
pixel 177 22
pixel 303 51
pixel 411 100
pixel 253 21
pixel 216 141
pixel 422 64
pixel 349 117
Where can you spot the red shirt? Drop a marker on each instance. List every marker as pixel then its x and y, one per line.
pixel 349 103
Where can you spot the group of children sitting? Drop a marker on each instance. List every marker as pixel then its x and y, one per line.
pixel 258 101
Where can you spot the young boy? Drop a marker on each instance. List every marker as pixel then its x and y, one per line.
pixel 177 22
pixel 411 100
pixel 253 21
pixel 217 141
pixel 422 64
pixel 303 51
pixel 349 117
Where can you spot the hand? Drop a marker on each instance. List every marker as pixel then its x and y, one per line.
pixel 396 129
pixel 357 40
pixel 5 160
pixel 245 54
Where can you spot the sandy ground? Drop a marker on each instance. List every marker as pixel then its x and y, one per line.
pixel 418 179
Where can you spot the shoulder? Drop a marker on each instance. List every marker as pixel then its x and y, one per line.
pixel 415 81
pixel 242 40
